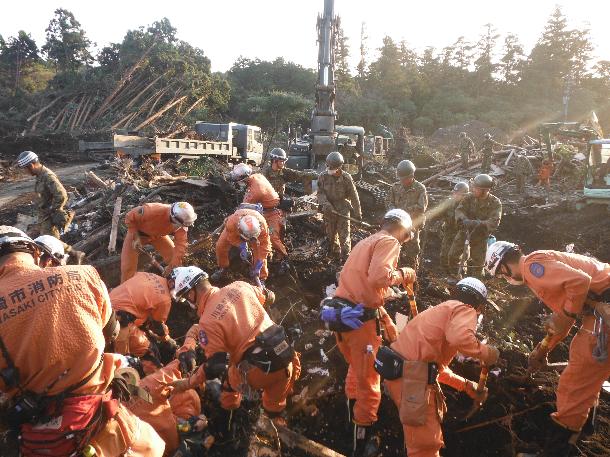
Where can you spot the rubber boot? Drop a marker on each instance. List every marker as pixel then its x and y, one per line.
pixel 558 441
pixel 366 442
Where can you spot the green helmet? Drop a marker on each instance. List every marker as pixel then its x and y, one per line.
pixel 461 188
pixel 334 160
pixel 405 169
pixel 278 154
pixel 483 181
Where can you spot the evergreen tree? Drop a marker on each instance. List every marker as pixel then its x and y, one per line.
pixel 67 44
pixel 513 59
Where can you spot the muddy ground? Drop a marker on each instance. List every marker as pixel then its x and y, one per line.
pixel 320 412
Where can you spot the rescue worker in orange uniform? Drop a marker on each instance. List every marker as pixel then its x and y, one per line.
pixel 142 304
pixel 423 351
pixel 544 174
pixel 574 287
pixel 234 321
pixel 247 230
pixel 152 223
pixel 260 191
pixel 357 314
pixel 168 410
pixel 64 315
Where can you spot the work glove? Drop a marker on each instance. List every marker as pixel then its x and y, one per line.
pixel 471 390
pixel 327 208
pixel 188 362
pixel 217 365
pixel 255 271
pixel 180 385
pixel 492 358
pixel 244 252
pixel 558 324
pixel 408 275
pixel 537 359
pixel 347 315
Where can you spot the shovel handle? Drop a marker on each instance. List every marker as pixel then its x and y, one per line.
pixel 483 378
pixel 154 262
pixel 411 299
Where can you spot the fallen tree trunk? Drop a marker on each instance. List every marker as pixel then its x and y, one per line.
pixel 292 439
pixel 115 225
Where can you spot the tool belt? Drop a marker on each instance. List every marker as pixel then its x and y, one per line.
pixel 271 351
pixel 339 303
pixel 390 365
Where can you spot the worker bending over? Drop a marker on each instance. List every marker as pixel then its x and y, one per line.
pixel 152 223
pixel 245 230
pixel 420 358
pixel 54 325
pixel 574 287
pixel 52 252
pixel 233 320
pixel 357 315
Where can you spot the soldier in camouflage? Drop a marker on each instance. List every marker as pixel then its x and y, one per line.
pixel 53 217
pixel 337 194
pixel 278 175
pixel 409 195
pixel 488 152
pixel 523 169
pixel 477 216
pixel 450 226
pixel 466 148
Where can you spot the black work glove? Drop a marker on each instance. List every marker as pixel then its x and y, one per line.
pixel 217 365
pixel 156 327
pixel 188 362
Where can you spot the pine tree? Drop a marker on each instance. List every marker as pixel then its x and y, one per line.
pixel 512 60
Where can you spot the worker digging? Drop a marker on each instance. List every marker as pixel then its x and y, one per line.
pixel 418 281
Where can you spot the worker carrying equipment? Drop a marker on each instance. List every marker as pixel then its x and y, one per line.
pixel 572 286
pixel 370 270
pixel 419 359
pixel 153 223
pixel 245 230
pixel 337 194
pixel 233 321
pixel 72 366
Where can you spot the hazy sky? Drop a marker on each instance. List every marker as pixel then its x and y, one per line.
pixel 270 28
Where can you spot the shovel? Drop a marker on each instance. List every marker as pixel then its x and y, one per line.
pixel 411 299
pixel 480 389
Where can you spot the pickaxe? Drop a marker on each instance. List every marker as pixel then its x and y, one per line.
pixel 411 299
pixel 481 386
pixel 154 262
pixel 193 247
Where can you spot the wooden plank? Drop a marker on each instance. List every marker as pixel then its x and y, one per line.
pixel 116 213
pixel 292 439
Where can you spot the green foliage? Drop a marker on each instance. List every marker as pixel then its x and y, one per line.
pixel 67 44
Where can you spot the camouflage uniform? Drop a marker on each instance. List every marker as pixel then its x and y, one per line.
pixel 52 197
pixel 488 152
pixel 487 210
pixel 466 150
pixel 523 169
pixel 339 194
pixel 414 200
pixel 450 229
pixel 279 178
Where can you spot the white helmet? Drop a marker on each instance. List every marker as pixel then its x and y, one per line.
pixel 53 247
pixel 473 285
pixel 183 213
pixel 26 158
pixel 185 278
pixel 240 171
pixel 249 228
pixel 401 216
pixel 14 240
pixel 495 253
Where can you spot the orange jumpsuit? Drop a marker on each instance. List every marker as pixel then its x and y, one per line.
pixel 365 278
pixel 261 191
pixel 152 222
pixel 261 248
pixel 146 296
pixel 231 318
pixel 60 313
pixel 544 174
pixel 161 413
pixel 561 281
pixel 436 335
